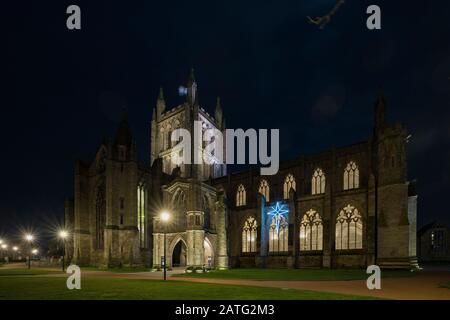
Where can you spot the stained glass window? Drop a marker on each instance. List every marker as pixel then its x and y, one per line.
pixel 311 231
pixel 349 229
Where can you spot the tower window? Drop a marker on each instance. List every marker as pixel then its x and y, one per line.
pixel 241 196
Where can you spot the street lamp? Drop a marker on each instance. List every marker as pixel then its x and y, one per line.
pixel 63 234
pixel 29 238
pixel 15 248
pixel 4 246
pixel 165 217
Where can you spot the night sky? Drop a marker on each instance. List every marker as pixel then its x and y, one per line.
pixel 64 90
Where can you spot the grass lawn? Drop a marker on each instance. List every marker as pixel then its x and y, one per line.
pixel 293 274
pixel 25 272
pixel 118 270
pixel 54 288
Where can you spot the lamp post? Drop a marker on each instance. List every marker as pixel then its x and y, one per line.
pixel 63 234
pixel 4 247
pixel 35 251
pixel 165 217
pixel 29 238
pixel 15 249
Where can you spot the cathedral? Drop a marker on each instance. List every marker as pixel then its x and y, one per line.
pixel 344 207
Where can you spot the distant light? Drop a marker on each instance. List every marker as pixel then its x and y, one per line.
pixel 165 216
pixel 63 234
pixel 35 251
pixel 29 237
pixel 1 241
pixel 182 91
pixel 15 248
pixel 4 246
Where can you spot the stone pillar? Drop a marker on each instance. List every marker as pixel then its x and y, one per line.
pixel 111 250
pixel 222 252
pixel 294 221
pixel 158 249
pixel 195 248
pixel 261 201
pixel 329 215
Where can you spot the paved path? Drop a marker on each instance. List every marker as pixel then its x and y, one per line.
pixel 425 285
pixel 420 287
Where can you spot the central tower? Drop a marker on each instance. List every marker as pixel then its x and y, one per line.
pixel 185 116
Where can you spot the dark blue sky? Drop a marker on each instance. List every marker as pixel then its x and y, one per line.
pixel 63 90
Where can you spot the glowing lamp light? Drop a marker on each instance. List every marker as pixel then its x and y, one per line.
pixel 15 248
pixel 29 237
pixel 35 251
pixel 165 216
pixel 63 234
pixel 1 241
pixel 4 246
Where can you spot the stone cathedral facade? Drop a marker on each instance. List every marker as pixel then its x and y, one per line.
pixel 345 207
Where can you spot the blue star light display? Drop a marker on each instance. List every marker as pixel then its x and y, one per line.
pixel 278 212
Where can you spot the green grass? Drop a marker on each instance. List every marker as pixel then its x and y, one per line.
pixel 54 288
pixel 27 272
pixel 118 270
pixel 293 274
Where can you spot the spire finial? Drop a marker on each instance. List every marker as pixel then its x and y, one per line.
pixel 124 114
pixel 160 103
pixel 218 113
pixel 218 105
pixel 191 78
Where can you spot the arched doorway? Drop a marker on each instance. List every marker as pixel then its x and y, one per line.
pixel 209 254
pixel 179 254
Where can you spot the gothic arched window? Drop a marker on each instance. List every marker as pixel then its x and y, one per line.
pixel 179 204
pixel 264 189
pixel 349 228
pixel 318 182
pixel 351 176
pixel 278 235
pixel 289 183
pixel 249 235
pixel 311 231
pixel 141 214
pixel 169 137
pixel 162 139
pixel 241 196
